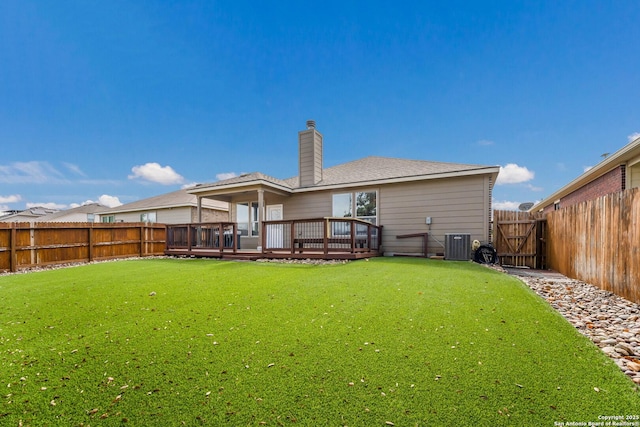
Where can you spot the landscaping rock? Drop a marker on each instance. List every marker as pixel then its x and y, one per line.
pixel 611 322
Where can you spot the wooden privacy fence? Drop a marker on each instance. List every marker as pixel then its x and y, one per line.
pixel 41 244
pixel 519 239
pixel 598 242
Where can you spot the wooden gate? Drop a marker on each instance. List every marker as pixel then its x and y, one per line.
pixel 519 239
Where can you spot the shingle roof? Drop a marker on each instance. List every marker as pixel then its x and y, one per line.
pixel 245 178
pixel 174 199
pixel 88 208
pixel 368 169
pixel 376 168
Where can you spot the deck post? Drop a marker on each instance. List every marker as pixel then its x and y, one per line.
pixel 199 208
pixel 260 216
pixel 326 237
pixel 353 237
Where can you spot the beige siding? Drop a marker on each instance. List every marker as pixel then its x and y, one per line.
pixel 179 215
pixel 458 205
pixel 633 176
pixel 72 217
pixel 310 161
pixel 308 205
pixel 173 216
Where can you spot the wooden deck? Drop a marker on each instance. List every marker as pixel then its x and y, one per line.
pixel 321 238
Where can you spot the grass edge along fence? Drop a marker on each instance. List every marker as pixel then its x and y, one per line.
pixel 598 241
pixel 26 245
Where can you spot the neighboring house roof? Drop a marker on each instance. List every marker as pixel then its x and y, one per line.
pixel 366 171
pixel 175 199
pixel 628 153
pixel 28 214
pixel 90 208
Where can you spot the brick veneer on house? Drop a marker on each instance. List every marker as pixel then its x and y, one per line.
pixel 610 182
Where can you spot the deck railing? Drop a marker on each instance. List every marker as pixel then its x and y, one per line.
pixel 318 237
pixel 220 236
pixel 321 235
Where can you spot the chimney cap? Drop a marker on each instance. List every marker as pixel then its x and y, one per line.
pixel 311 124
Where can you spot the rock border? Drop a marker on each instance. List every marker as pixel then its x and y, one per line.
pixel 611 322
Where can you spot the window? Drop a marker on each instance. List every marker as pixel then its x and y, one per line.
pixel 91 217
pixel 342 205
pixel 108 218
pixel 247 218
pixel 366 206
pixel 148 217
pixel 363 203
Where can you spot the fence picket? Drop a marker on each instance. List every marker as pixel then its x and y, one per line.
pixel 28 245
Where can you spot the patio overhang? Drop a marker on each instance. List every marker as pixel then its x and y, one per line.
pixel 250 190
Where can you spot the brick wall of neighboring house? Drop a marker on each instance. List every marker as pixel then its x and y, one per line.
pixel 611 182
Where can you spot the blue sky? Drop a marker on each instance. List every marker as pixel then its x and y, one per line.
pixel 116 101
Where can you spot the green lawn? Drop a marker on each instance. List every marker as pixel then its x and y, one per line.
pixel 202 342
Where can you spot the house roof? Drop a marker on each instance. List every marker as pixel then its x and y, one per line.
pixel 630 153
pixel 27 214
pixel 175 199
pixel 366 171
pixel 84 209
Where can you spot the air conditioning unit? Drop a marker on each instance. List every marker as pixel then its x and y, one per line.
pixel 457 246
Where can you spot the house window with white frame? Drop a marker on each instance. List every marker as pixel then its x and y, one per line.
pixel 149 217
pixel 108 218
pixel 247 218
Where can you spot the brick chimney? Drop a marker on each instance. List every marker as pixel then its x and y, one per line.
pixel 310 155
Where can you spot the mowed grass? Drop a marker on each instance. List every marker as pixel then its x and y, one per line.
pixel 202 342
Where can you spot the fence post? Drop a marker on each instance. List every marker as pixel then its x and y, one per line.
pixel 90 242
pixel 142 227
pixel 13 260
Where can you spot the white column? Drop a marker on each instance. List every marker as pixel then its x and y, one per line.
pixel 260 216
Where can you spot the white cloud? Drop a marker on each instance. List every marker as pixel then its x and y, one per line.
pixel 14 198
pixel 153 172
pixel 586 168
pixel 226 175
pixel 189 185
pixel 74 168
pixel 109 201
pixel 514 174
pixel 633 136
pixel 506 206
pixel 34 172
